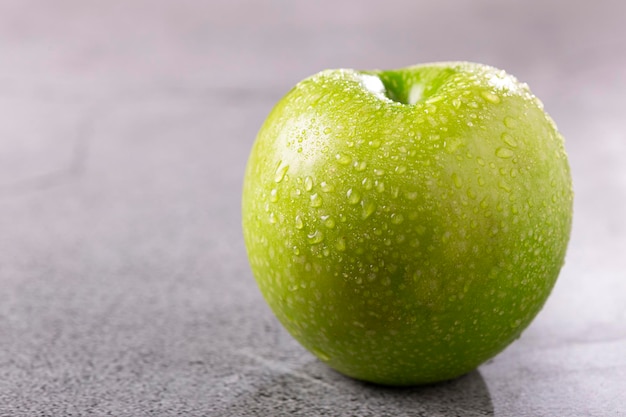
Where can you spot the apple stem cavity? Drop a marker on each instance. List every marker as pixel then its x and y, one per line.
pixel 407 87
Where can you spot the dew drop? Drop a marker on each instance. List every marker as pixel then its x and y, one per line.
pixel 380 186
pixel 274 195
pixel 308 183
pixel 504 153
pixel 367 183
pixel 509 140
pixel 316 200
pixel 341 244
pixel 374 144
pixel 400 169
pixel 456 103
pixel 452 144
pixel 504 186
pixel 327 130
pixel 353 196
pixel 510 122
pixel 272 218
pixel 490 97
pixel 326 187
pixel 281 170
pixel 316 237
pixel 343 159
pixel 299 223
pixel 411 195
pixel 368 209
pixel 397 218
pixel 456 180
pixel 379 172
pixel 360 166
pixel 328 222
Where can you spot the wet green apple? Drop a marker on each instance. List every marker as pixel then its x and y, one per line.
pixel 407 225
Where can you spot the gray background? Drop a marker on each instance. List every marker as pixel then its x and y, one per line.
pixel 124 132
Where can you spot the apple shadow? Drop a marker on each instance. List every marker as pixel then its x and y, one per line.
pixel 313 389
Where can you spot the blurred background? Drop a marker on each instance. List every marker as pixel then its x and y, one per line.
pixel 124 132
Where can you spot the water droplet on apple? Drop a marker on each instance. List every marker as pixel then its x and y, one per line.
pixel 341 244
pixel 400 169
pixel 509 140
pixel 328 221
pixel 368 209
pixel 316 237
pixel 379 172
pixel 380 186
pixel 326 187
pixel 504 186
pixel 272 218
pixel 490 97
pixel 374 144
pixel 327 130
pixel 397 218
pixel 274 195
pixel 504 153
pixel 367 183
pixel 316 200
pixel 353 196
pixel 299 223
pixel 510 122
pixel 308 183
pixel 456 180
pixel 360 166
pixel 411 195
pixel 343 159
pixel 281 170
pixel 456 103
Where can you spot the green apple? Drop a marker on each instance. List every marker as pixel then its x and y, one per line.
pixel 407 225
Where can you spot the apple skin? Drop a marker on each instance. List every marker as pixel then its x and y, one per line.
pixel 405 226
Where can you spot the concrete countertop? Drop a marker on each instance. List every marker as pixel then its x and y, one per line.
pixel 124 132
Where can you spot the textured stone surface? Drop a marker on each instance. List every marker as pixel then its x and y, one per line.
pixel 124 285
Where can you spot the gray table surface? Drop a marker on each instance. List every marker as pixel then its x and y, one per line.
pixel 125 129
